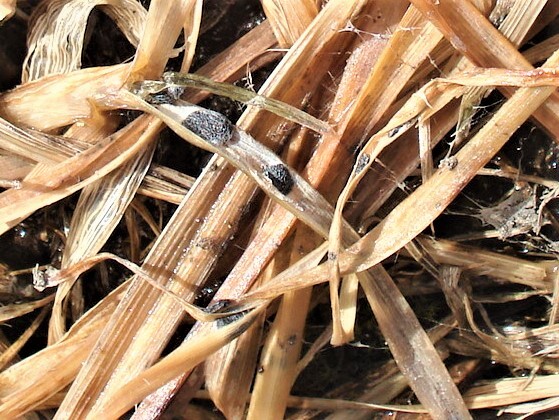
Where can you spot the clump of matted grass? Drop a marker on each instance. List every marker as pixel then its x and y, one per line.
pixel 361 96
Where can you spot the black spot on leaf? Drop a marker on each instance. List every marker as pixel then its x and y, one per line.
pixel 280 177
pixel 212 126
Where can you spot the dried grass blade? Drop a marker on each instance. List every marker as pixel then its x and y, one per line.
pixel 411 43
pixel 166 184
pixel 163 264
pixel 503 77
pixel 472 156
pixel 164 21
pixel 365 410
pixel 239 188
pixel 12 351
pixel 400 161
pixel 508 391
pixel 56 35
pixel 348 305
pixel 437 188
pixel 397 227
pixel 436 194
pixel 547 15
pixel 46 185
pixel 289 18
pixel 35 145
pixel 247 97
pixel 515 19
pixel 398 125
pixel 475 37
pixel 443 368
pixel 281 352
pixel 98 211
pixel 191 27
pixel 542 50
pixel 8 312
pixel 186 357
pixel 26 384
pixel 229 376
pixel 31 104
pixel 13 169
pixel 287 218
pixel 387 382
pixel 413 351
pixel 253 47
pixel 425 155
pixel 213 183
pixel 537 275
pixel 160 182
pixel 520 19
pixel 280 182
pixel 533 407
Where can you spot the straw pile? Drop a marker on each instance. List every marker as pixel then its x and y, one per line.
pixel 370 166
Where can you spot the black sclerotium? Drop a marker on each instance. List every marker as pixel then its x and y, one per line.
pixel 395 130
pixel 362 162
pixel 222 322
pixel 218 306
pixel 212 126
pixel 165 96
pixel 280 177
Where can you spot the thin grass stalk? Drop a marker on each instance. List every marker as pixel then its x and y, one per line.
pixel 281 352
pixel 494 394
pixel 160 182
pixel 11 352
pixel 185 357
pixel 401 164
pixel 406 45
pixel 515 24
pixel 15 310
pixel 156 45
pixel 534 274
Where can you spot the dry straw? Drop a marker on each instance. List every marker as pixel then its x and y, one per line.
pixel 360 95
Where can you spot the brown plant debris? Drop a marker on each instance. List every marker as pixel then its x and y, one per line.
pixel 272 209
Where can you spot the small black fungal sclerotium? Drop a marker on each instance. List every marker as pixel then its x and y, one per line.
pixel 212 126
pixel 222 322
pixel 165 96
pixel 280 177
pixel 362 162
